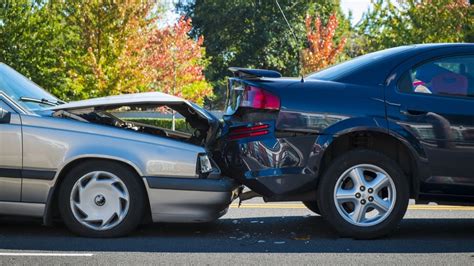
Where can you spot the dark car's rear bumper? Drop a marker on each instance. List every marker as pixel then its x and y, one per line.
pixel 190 199
pixel 272 166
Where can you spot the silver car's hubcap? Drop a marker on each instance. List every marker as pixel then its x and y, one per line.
pixel 99 200
pixel 365 195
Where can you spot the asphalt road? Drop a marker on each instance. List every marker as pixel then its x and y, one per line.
pixel 257 233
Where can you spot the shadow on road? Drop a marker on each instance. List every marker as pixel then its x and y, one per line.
pixel 270 234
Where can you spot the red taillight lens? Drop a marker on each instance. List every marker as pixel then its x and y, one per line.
pixel 245 132
pixel 260 99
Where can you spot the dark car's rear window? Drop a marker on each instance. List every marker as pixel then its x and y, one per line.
pixel 346 68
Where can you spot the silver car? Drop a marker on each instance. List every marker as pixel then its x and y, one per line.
pixel 100 173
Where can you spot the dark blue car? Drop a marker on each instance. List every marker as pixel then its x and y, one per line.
pixel 356 141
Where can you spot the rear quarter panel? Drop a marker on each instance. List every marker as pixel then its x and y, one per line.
pixel 324 107
pixel 312 114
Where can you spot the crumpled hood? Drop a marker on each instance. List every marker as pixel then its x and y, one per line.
pixel 148 98
pixel 137 98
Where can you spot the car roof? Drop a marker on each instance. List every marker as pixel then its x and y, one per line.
pixel 374 68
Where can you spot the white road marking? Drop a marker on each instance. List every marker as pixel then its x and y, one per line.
pixel 47 254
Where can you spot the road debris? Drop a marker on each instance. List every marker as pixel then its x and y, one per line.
pixel 302 237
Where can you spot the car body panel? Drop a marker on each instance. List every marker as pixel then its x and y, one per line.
pixel 184 200
pixel 22 208
pixel 62 140
pixel 10 156
pixel 280 164
pixel 134 99
pixel 441 128
pixel 38 148
pixel 149 97
pixel 148 155
pixel 319 112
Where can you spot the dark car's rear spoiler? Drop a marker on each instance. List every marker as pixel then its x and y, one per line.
pixel 254 73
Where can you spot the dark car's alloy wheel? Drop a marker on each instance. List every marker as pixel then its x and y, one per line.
pixel 103 200
pixel 362 202
pixel 363 194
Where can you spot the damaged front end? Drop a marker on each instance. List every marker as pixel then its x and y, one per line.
pixel 149 115
pixel 196 195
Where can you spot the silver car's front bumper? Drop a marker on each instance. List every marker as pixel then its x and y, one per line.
pixel 190 199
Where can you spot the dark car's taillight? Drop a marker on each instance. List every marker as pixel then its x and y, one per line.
pixel 259 99
pixel 248 131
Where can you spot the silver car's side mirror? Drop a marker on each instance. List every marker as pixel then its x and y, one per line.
pixel 5 116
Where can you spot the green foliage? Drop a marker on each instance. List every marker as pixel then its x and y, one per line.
pixel 178 62
pixel 81 49
pixel 35 40
pixel 254 34
pixel 190 90
pixel 77 49
pixel 181 124
pixel 414 21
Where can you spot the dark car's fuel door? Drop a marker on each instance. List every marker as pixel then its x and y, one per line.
pixel 433 101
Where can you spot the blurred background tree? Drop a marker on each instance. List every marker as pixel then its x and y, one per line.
pixel 389 24
pixel 36 41
pixel 112 43
pixel 178 62
pixel 254 34
pixel 322 51
pixel 81 49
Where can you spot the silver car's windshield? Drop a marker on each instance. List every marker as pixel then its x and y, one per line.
pixel 18 87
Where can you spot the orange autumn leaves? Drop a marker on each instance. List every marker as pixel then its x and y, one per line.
pixel 322 50
pixel 177 62
pixel 167 59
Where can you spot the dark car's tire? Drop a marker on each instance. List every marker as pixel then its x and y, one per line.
pixel 341 194
pixel 101 199
pixel 312 206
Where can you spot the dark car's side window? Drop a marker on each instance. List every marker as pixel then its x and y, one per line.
pixel 450 76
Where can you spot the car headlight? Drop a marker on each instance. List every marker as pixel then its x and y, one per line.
pixel 205 165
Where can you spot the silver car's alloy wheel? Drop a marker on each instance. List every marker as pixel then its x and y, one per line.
pixel 99 200
pixel 365 195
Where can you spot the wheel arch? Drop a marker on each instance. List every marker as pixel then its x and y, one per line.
pixel 51 208
pixel 378 139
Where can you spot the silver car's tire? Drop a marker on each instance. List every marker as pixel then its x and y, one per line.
pixel 101 199
pixel 363 194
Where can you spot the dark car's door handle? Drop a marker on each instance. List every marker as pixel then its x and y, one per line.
pixel 412 112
